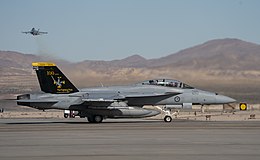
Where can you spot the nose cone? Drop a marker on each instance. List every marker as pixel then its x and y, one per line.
pixel 220 99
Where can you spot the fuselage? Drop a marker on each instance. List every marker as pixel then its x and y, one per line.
pixel 193 96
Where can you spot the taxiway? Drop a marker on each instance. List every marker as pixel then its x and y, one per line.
pixel 56 139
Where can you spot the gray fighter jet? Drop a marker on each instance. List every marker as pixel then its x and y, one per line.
pixel 115 101
pixel 35 32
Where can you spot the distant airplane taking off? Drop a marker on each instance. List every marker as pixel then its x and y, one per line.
pixel 35 32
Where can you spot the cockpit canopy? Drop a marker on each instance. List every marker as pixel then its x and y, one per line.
pixel 166 83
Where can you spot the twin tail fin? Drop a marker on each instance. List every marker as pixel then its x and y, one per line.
pixel 52 80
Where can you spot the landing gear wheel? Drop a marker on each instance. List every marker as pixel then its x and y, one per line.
pixel 95 119
pixel 98 119
pixel 167 119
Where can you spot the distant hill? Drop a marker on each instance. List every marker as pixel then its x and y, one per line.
pixel 15 63
pixel 16 59
pixel 216 54
pixel 229 66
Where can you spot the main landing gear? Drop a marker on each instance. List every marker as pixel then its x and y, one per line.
pixel 95 119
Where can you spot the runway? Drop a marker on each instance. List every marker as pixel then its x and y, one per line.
pixel 56 139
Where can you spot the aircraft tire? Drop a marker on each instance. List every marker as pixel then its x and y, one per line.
pixel 98 119
pixel 167 119
pixel 95 119
pixel 66 115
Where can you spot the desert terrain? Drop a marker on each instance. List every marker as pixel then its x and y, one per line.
pixel 227 66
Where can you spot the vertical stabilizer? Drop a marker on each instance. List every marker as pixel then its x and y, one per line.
pixel 52 80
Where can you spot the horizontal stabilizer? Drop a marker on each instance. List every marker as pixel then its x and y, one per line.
pixel 37 101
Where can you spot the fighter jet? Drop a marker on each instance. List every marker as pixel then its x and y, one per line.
pixel 99 103
pixel 35 32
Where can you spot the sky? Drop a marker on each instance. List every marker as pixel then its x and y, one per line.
pixel 114 29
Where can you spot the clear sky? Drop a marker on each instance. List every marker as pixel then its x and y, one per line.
pixel 114 29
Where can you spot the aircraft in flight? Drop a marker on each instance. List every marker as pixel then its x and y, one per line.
pixel 99 103
pixel 35 32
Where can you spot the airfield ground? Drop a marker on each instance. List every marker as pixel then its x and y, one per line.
pixel 231 134
pixel 56 139
pixel 212 116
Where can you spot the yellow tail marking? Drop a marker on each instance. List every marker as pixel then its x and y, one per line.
pixel 43 64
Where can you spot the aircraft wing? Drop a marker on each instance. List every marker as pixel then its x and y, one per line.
pixel 124 98
pixel 147 99
pixel 26 32
pixel 101 102
pixel 151 95
pixel 43 32
pixel 98 102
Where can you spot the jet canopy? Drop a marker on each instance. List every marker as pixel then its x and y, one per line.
pixel 166 83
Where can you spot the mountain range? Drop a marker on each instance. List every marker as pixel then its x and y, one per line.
pixel 229 66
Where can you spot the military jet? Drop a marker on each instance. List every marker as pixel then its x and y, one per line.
pixel 35 32
pixel 99 103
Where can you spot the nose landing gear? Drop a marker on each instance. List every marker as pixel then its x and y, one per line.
pixel 167 118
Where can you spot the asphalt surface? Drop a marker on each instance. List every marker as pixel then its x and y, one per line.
pixel 56 139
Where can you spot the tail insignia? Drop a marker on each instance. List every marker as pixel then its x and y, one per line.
pixel 52 80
